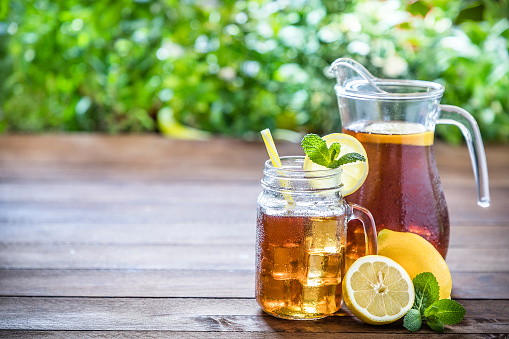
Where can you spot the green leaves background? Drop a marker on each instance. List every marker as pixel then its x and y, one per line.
pixel 237 67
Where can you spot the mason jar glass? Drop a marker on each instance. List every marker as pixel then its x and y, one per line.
pixel 302 238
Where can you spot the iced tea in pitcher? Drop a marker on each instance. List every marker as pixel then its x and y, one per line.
pixel 402 190
pixel 395 119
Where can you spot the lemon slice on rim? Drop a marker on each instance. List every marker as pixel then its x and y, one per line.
pixel 354 174
pixel 378 290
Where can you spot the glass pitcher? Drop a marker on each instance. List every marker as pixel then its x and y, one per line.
pixel 395 121
pixel 301 240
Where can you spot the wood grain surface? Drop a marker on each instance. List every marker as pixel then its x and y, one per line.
pixel 141 236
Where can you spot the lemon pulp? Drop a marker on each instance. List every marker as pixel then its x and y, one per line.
pixel 378 290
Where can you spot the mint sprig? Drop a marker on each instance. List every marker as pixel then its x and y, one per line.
pixel 412 320
pixel 447 311
pixel 316 149
pixel 427 306
pixel 426 291
pixel 435 324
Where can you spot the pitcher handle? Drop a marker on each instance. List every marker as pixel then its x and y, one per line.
pixel 453 115
pixel 360 213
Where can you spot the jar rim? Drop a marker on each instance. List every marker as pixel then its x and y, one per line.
pixel 295 171
pixel 292 179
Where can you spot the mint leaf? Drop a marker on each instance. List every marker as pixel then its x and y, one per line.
pixel 447 311
pixel 316 149
pixel 427 291
pixel 346 159
pixel 334 150
pixel 412 320
pixel 432 310
pixel 435 323
pixel 427 305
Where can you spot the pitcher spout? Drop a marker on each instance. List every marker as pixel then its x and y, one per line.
pixel 346 70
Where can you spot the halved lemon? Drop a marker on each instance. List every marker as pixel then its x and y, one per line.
pixel 354 174
pixel 378 290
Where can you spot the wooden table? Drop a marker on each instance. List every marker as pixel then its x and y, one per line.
pixel 140 236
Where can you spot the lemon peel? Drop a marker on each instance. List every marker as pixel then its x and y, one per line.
pixel 416 255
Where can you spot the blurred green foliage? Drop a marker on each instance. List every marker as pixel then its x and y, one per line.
pixel 188 68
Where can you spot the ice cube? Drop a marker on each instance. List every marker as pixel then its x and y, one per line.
pixel 319 299
pixel 323 268
pixel 287 262
pixel 323 235
pixel 280 293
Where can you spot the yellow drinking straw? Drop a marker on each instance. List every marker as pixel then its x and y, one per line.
pixel 274 157
pixel 271 148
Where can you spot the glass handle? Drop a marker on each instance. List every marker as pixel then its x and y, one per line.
pixel 363 215
pixel 453 115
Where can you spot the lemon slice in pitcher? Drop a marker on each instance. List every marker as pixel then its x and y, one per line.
pixel 378 290
pixel 354 174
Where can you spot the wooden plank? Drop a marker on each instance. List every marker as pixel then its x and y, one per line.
pixel 175 232
pixel 473 237
pixel 196 257
pixel 24 170
pixel 237 203
pixel 224 335
pixel 177 192
pixel 128 157
pixel 211 232
pixel 156 148
pixel 210 315
pixel 463 208
pixel 130 283
pixel 457 157
pixel 150 157
pixel 181 169
pixel 199 170
pixel 133 148
pixel 488 285
pixel 125 213
pixel 125 148
pixel 93 192
pixel 185 283
pixel 130 257
pixel 478 260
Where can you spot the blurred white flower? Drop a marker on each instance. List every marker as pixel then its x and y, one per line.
pixel 358 47
pixel 350 23
pixel 169 49
pixel 329 33
pixel 461 43
pixel 227 73
pixel 251 68
pixel 265 30
pixel 291 73
pixel 394 66
pixel 293 36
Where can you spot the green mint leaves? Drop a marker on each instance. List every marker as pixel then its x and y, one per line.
pixel 412 320
pixel 316 149
pixel 447 311
pixel 426 291
pixel 427 306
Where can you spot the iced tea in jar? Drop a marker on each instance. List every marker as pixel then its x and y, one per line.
pixel 301 240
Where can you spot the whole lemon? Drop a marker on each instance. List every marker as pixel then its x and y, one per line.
pixel 416 255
